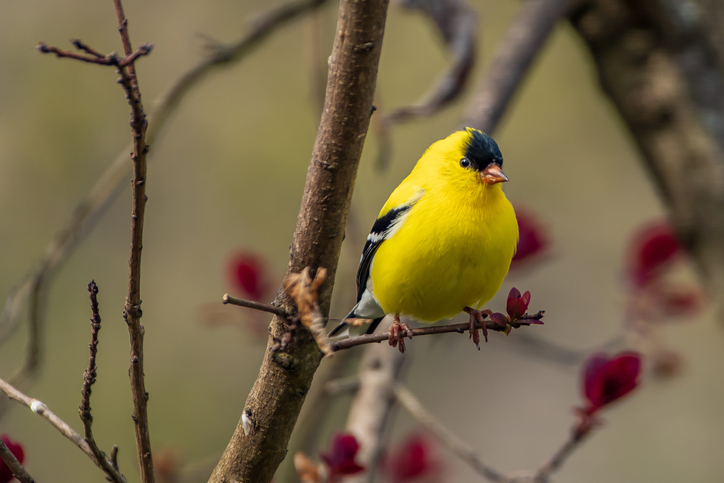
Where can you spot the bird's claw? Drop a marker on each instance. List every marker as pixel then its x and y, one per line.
pixel 478 316
pixel 398 332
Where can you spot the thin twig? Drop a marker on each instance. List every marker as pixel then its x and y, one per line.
pixel 42 410
pixel 413 406
pixel 67 54
pixel 132 309
pixel 457 24
pixel 33 352
pixel 250 304
pixel 93 56
pixel 440 329
pixel 578 434
pixel 15 466
pixel 532 345
pixel 223 54
pixel 142 50
pixel 513 58
pixel 80 45
pixel 114 457
pixel 35 327
pixel 89 377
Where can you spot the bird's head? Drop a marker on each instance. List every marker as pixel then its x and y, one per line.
pixel 470 158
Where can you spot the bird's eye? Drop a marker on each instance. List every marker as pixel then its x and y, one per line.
pixel 465 163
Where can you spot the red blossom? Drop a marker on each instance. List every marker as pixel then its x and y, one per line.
pixel 517 305
pixel 652 249
pixel 607 379
pixel 248 275
pixel 340 460
pixel 499 319
pixel 414 461
pixel 532 239
pixel 16 449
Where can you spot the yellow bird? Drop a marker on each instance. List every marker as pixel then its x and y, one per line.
pixel 442 243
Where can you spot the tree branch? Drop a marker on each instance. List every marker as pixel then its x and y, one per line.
pixel 132 309
pixel 663 73
pixel 15 466
pixel 334 346
pixel 250 304
pixel 272 407
pixel 524 40
pixel 578 434
pixel 89 377
pixel 457 24
pixel 93 56
pixel 42 410
pixel 371 410
pixel 439 329
pixel 413 406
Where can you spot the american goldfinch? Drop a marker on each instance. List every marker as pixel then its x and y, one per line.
pixel 442 242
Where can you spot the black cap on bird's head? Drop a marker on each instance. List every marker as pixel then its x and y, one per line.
pixel 483 155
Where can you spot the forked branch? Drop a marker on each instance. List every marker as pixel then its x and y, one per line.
pixel 39 408
pixel 89 377
pixel 132 309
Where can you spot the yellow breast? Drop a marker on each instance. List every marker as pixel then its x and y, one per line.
pixel 452 251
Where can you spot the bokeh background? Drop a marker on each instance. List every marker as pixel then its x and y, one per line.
pixel 227 176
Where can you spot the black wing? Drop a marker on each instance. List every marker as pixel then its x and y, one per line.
pixel 379 233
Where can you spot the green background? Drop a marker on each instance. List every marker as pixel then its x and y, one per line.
pixel 228 173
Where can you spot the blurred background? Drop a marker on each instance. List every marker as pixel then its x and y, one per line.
pixel 225 180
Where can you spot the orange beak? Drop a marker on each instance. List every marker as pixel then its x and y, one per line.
pixel 493 174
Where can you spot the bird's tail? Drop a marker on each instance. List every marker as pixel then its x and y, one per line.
pixel 342 325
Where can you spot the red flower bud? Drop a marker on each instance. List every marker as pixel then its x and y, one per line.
pixel 16 449
pixel 414 461
pixel 340 459
pixel 248 275
pixel 517 305
pixel 607 379
pixel 651 250
pixel 531 238
pixel 499 319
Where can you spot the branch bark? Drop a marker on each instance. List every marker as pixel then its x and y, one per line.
pixel 272 407
pixel 132 309
pixel 89 378
pixel 380 370
pixel 15 466
pixel 39 408
pixel 660 68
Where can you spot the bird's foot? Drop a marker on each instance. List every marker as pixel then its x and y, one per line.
pixel 478 316
pixel 398 332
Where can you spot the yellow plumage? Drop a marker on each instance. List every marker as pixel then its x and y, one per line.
pixel 444 239
pixel 454 248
